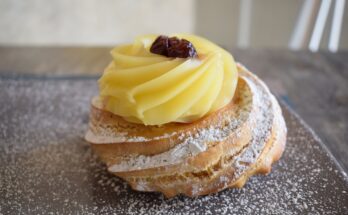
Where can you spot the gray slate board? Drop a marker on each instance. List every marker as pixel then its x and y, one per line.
pixel 46 166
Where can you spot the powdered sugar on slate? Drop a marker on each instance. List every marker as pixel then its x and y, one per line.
pixel 47 168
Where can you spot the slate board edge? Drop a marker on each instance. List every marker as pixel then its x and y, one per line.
pixel 316 138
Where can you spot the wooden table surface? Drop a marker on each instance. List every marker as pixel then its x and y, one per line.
pixel 314 84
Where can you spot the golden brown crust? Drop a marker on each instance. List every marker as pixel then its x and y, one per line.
pixel 213 169
pixel 100 119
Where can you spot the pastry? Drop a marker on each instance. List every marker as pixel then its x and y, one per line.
pixel 177 115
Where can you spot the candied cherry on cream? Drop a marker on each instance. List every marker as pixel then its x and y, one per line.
pixel 173 47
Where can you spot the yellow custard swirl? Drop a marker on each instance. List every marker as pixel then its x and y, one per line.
pixel 152 89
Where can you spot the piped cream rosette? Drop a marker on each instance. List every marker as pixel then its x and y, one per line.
pixel 151 89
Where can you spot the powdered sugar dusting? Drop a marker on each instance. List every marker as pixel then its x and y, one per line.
pixel 191 145
pixel 264 115
pixel 106 135
pixel 110 137
pixel 47 168
pixel 261 116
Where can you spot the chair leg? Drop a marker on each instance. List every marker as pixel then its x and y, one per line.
pixel 244 23
pixel 336 25
pixel 303 26
pixel 319 25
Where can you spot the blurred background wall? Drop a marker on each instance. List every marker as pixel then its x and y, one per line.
pixel 109 22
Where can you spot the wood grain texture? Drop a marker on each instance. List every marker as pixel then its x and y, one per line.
pixel 314 84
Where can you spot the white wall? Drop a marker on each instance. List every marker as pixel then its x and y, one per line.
pixel 91 22
pixel 109 22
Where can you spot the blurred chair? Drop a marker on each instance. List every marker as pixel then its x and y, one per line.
pixel 244 25
pixel 309 27
pixel 305 21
